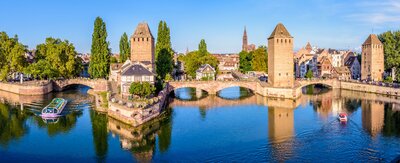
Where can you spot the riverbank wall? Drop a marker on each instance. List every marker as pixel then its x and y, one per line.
pixel 36 88
pixel 137 113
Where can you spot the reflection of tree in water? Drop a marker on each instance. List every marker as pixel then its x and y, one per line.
pixel 164 135
pixel 315 89
pixel 12 124
pixel 141 140
pixel 352 105
pixel 63 125
pixel 391 125
pixel 100 134
pixel 203 112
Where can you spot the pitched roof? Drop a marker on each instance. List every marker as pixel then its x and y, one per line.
pixel 342 70
pixel 203 67
pixel 136 69
pixel 142 30
pixel 372 39
pixel 280 31
pixel 350 61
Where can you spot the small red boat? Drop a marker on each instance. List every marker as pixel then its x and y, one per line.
pixel 342 117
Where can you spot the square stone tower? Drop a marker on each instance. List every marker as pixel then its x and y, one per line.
pixel 280 58
pixel 142 46
pixel 372 59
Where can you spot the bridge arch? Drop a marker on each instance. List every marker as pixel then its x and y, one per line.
pixel 212 87
pixel 96 84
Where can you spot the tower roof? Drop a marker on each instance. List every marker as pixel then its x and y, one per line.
pixel 244 33
pixel 372 39
pixel 142 30
pixel 280 31
pixel 308 46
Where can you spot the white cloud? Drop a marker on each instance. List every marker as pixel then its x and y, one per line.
pixel 377 12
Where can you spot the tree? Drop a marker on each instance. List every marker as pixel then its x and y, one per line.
pixel 309 74
pixel 124 48
pixel 193 60
pixel 42 70
pixel 12 56
pixel 391 45
pixel 59 60
pixel 141 89
pixel 202 47
pixel 245 61
pixel 164 53
pixel 100 53
pixel 260 59
pixel 164 64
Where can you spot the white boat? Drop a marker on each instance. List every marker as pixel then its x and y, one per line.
pixel 55 108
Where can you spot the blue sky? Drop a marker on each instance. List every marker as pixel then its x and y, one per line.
pixel 342 24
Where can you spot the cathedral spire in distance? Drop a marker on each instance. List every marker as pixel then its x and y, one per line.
pixel 244 43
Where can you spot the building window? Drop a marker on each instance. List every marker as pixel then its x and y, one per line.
pixel 279 74
pixel 142 39
pixel 147 39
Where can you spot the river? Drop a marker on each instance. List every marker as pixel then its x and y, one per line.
pixel 233 126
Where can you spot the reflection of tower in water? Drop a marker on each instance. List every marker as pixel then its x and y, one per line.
pixel 373 114
pixel 280 125
pixel 141 140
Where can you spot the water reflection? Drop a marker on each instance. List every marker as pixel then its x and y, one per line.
pixel 209 128
pixel 141 141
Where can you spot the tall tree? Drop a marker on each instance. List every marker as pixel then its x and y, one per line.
pixel 124 48
pixel 164 53
pixel 203 47
pixel 100 53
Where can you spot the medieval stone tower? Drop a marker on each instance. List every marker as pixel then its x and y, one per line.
pixel 142 46
pixel 372 65
pixel 244 43
pixel 280 58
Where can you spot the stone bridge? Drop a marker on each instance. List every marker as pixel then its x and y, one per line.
pixel 95 84
pixel 333 83
pixel 212 87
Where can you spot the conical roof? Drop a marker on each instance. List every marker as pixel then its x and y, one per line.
pixel 372 39
pixel 308 46
pixel 280 31
pixel 142 30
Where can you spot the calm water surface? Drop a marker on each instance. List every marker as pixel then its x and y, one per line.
pixel 235 125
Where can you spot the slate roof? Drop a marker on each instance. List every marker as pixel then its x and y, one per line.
pixel 350 61
pixel 342 70
pixel 372 39
pixel 136 70
pixel 280 31
pixel 142 31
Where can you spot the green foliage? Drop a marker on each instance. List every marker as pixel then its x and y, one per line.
pixel 42 70
pixel 206 78
pixel 309 74
pixel 124 48
pixel 193 60
pixel 100 53
pixel 168 77
pixel 391 43
pixel 164 53
pixel 12 56
pixel 203 48
pixel 143 89
pixel 260 59
pixel 55 58
pixel 164 64
pixel 245 61
pixel 113 59
pixel 388 79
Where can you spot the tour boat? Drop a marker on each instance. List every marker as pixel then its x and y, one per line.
pixel 55 108
pixel 342 117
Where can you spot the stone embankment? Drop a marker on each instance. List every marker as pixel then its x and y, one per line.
pixel 28 88
pixel 137 113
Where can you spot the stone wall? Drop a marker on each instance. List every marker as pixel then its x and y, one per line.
pixel 127 112
pixel 370 88
pixel 27 89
